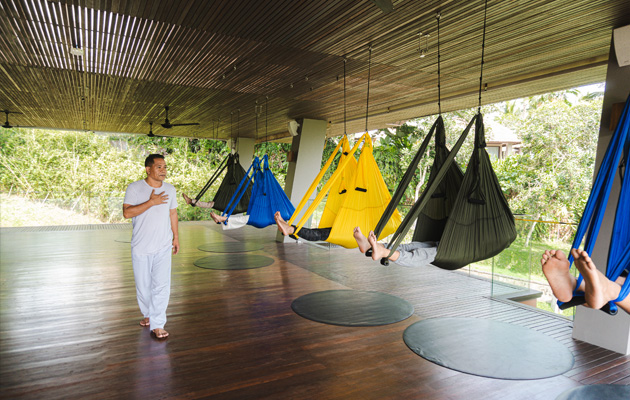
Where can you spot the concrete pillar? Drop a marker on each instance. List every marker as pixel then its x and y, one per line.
pixel 593 326
pixel 307 149
pixel 245 149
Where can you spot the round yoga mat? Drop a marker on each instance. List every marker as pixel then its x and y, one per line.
pixel 488 348
pixel 352 308
pixel 234 261
pixel 230 247
pixel 597 392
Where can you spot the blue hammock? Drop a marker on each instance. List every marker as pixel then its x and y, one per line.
pixel 267 196
pixel 619 251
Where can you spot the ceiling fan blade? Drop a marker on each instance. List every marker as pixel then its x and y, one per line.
pixel 191 123
pixel 385 5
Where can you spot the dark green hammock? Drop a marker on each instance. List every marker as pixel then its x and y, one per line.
pixel 233 177
pixel 479 225
pixel 432 219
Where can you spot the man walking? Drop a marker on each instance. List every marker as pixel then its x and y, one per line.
pixel 151 203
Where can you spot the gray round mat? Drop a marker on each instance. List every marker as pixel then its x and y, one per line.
pixel 488 348
pixel 352 308
pixel 597 392
pixel 230 247
pixel 234 261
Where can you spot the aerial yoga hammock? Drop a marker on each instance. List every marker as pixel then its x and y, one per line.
pixel 360 198
pixel 357 198
pixel 619 251
pixel 234 175
pixel 468 216
pixel 267 196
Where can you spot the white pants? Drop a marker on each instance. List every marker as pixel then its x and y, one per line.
pixel 235 221
pixel 152 273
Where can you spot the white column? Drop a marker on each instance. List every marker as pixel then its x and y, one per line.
pixel 593 326
pixel 245 149
pixel 307 148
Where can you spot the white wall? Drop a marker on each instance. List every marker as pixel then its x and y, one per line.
pixel 309 147
pixel 245 149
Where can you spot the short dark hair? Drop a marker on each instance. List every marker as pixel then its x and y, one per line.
pixel 151 158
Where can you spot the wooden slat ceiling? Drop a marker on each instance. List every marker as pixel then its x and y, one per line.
pixel 221 62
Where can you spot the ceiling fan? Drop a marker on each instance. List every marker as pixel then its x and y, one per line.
pixel 151 130
pixel 7 112
pixel 167 124
pixel 153 135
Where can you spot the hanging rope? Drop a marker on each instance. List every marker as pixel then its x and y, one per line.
pixel 266 117
pixel 367 105
pixel 345 131
pixel 483 49
pixel 238 127
pixel 438 16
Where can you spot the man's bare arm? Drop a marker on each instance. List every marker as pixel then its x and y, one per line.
pixel 130 211
pixel 174 228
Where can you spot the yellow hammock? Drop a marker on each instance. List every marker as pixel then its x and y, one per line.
pixel 337 196
pixel 364 201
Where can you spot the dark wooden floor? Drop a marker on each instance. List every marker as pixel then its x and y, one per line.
pixel 69 325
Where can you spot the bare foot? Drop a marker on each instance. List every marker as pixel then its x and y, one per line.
pixel 144 322
pixel 362 241
pixel 218 218
pixel 160 333
pixel 555 266
pixel 283 226
pixel 598 289
pixel 186 198
pixel 378 250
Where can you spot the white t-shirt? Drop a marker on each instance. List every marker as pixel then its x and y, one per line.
pixel 152 231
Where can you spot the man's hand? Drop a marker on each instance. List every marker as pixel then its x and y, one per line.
pixel 157 199
pixel 175 246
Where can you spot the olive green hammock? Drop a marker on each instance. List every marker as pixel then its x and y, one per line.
pixel 471 219
pixel 232 178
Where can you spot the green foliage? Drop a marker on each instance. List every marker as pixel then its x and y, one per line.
pixel 277 156
pixel 552 177
pixel 97 169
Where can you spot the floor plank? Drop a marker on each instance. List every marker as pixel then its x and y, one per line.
pixel 69 324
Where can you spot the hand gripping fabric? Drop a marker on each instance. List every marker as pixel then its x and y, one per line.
pixel 235 173
pixel 619 251
pixel 268 197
